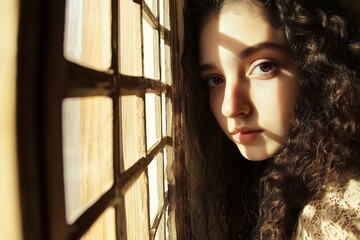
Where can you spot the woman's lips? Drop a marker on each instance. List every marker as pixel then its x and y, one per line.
pixel 245 136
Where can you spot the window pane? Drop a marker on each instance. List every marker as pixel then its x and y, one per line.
pixel 161 14
pixel 160 233
pixel 166 116
pixel 88 151
pixel 133 129
pixel 103 228
pixel 165 63
pixel 168 156
pixel 163 115
pixel 151 51
pixel 156 185
pixel 87 38
pixel 130 39
pixel 137 218
pixel 153 119
pixel 165 13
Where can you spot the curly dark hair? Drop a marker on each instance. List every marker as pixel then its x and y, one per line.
pixel 323 144
pixel 231 197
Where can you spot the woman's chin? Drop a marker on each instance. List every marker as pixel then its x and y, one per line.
pixel 256 154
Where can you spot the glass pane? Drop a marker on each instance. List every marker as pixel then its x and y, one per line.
pixel 133 129
pixel 103 228
pixel 156 185
pixel 130 39
pixel 168 156
pixel 153 119
pixel 161 14
pixel 87 151
pixel 165 63
pixel 163 115
pixel 167 223
pixel 160 233
pixel 136 207
pixel 164 13
pixel 87 39
pixel 166 116
pixel 152 4
pixel 151 51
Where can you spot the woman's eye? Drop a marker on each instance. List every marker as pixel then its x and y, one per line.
pixel 264 68
pixel 214 81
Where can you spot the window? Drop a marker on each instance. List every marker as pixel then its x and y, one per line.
pixel 95 119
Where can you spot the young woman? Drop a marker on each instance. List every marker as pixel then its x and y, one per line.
pixel 272 121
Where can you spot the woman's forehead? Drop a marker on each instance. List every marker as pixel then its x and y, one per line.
pixel 237 29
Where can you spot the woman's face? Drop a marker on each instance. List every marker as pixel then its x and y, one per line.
pixel 253 84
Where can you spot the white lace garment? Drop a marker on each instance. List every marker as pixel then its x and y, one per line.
pixel 334 217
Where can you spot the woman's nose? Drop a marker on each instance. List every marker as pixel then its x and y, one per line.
pixel 236 100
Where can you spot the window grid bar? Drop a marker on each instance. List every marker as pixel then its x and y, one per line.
pixel 120 216
pixel 51 77
pixel 149 16
pixel 84 222
pixel 165 34
pixel 28 120
pixel 141 165
pixel 82 81
pixel 152 20
pixel 121 219
pixel 141 84
pixel 142 38
pixel 128 177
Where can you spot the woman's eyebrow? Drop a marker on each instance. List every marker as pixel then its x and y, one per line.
pixel 258 47
pixel 206 67
pixel 248 51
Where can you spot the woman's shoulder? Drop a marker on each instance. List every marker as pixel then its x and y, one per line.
pixel 334 216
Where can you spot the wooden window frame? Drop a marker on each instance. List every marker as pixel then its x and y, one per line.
pixel 44 79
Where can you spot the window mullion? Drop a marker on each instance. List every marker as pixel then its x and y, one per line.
pixel 84 222
pixel 121 231
pixel 82 81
